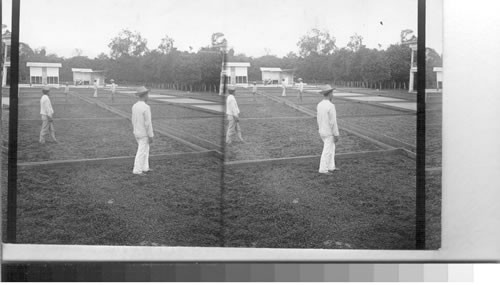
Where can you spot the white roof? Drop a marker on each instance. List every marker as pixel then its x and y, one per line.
pixel 237 64
pixel 43 64
pixel 273 69
pixel 81 70
pixel 437 69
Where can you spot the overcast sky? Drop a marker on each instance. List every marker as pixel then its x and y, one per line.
pixel 252 27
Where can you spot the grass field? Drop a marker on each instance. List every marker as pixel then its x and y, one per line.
pixel 368 204
pixel 292 206
pixel 110 206
pixel 287 138
pixel 86 139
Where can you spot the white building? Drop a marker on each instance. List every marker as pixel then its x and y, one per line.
pixel 6 58
pixel 44 73
pixel 237 73
pixel 439 77
pixel 275 75
pixel 413 66
pixel 86 76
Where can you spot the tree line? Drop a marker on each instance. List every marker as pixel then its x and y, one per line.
pixel 318 60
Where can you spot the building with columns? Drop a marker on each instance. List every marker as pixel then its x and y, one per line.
pixel 413 66
pixel 6 43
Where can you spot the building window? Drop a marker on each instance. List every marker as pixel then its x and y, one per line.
pixel 241 79
pixel 36 80
pixel 52 80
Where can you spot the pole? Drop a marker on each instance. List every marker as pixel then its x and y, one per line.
pixel 13 123
pixel 420 195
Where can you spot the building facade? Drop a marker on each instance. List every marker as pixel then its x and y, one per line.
pixel 6 44
pixel 275 75
pixel 44 73
pixel 237 73
pixel 86 76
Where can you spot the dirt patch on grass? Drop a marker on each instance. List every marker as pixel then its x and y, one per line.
pixel 110 206
pixel 368 204
pixel 286 138
pixel 85 139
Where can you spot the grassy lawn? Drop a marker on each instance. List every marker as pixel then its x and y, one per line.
pixel 86 139
pixel 268 110
pixel 210 129
pixel 110 206
pixel 433 210
pixel 433 146
pixel 402 128
pixel 286 138
pixel 401 94
pixel 75 110
pixel 358 109
pixel 368 204
pixel 161 110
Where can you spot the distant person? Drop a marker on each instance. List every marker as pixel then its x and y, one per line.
pixel 95 88
pixel 328 130
pixel 143 131
pixel 66 91
pixel 254 91
pixel 113 90
pixel 46 113
pixel 232 112
pixel 283 86
pixel 301 89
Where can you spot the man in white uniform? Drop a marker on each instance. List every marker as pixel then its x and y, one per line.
pixel 66 91
pixel 113 90
pixel 283 94
pixel 254 90
pixel 328 130
pixel 95 88
pixel 232 112
pixel 301 89
pixel 46 112
pixel 143 131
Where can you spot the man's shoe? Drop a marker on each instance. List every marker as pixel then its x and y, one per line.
pixel 335 169
pixel 140 173
pixel 147 171
pixel 326 173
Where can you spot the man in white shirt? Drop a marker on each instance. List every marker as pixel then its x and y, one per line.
pixel 283 86
pixel 46 113
pixel 328 130
pixel 232 112
pixel 113 90
pixel 143 131
pixel 254 90
pixel 66 91
pixel 301 89
pixel 95 88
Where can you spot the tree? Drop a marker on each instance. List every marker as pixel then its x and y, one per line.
pixel 128 43
pixel 77 52
pixel 398 58
pixel 166 45
pixel 316 42
pixel 218 39
pixel 355 43
pixel 374 68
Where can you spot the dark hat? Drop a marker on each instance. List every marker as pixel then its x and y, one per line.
pixel 141 91
pixel 326 89
pixel 300 79
pixel 231 89
pixel 46 89
pixel 112 80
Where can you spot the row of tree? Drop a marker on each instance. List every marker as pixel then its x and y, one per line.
pixel 319 60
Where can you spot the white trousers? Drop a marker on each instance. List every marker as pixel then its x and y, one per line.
pixel 141 162
pixel 327 161
pixel 232 128
pixel 47 127
pixel 284 92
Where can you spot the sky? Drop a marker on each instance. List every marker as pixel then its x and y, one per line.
pixel 252 27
